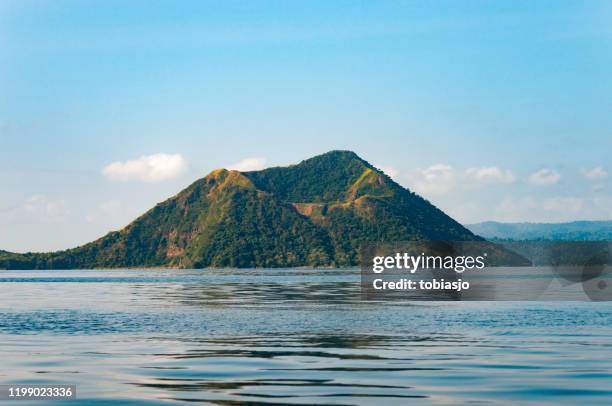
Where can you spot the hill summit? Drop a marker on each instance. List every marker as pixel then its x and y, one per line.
pixel 315 213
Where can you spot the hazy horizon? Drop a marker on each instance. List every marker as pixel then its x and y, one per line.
pixel 492 111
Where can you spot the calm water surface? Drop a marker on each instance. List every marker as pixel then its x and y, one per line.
pixel 265 337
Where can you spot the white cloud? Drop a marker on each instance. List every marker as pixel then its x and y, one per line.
pixel 41 208
pixel 389 170
pixel 597 173
pixel 147 168
pixel 553 209
pixel 544 177
pixel 442 178
pixel 434 180
pixel 249 164
pixel 489 175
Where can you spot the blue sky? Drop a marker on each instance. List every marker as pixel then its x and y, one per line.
pixel 492 110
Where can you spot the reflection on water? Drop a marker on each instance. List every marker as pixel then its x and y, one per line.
pixel 292 337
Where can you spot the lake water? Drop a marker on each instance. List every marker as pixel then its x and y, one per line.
pixel 261 337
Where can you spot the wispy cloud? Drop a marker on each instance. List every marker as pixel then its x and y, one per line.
pixel 442 178
pixel 389 170
pixel 489 175
pixel 147 168
pixel 434 180
pixel 597 173
pixel 39 208
pixel 249 164
pixel 544 177
pixel 45 209
pixel 528 208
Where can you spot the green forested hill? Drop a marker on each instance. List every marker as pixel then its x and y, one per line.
pixel 315 213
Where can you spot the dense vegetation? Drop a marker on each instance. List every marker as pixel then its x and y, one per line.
pixel 315 213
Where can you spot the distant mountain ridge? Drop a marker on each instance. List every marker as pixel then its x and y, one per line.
pixel 315 213
pixel 575 230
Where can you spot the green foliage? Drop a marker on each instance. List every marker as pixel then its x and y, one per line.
pixel 324 178
pixel 233 219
